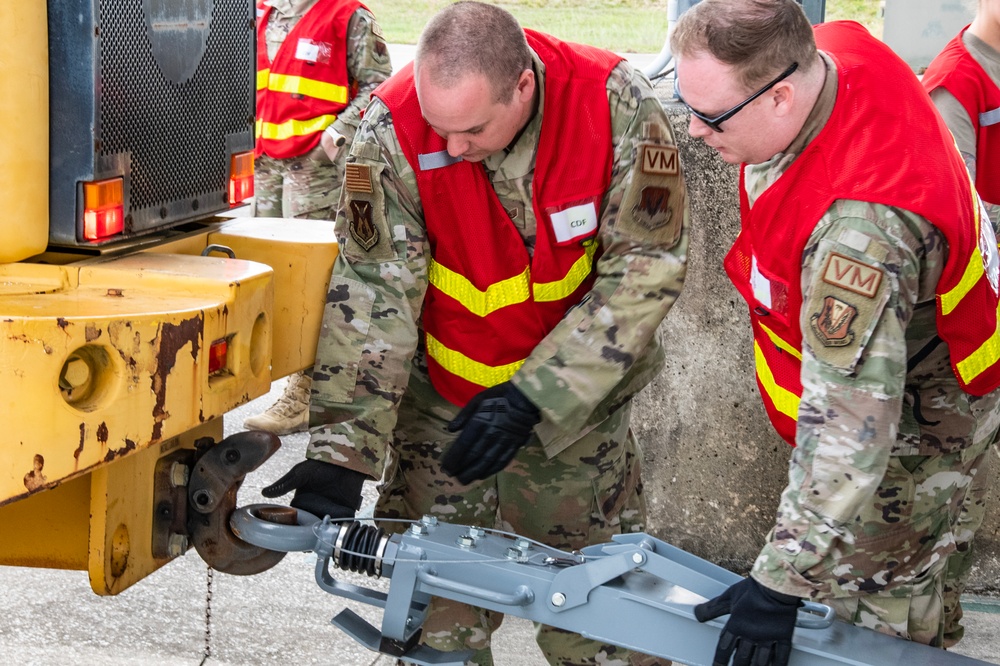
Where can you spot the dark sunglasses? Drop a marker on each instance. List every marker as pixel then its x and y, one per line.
pixel 715 121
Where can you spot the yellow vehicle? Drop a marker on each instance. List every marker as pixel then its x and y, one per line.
pixel 136 309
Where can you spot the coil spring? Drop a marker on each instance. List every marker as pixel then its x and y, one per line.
pixel 359 549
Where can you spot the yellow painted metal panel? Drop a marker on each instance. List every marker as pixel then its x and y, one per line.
pixel 302 253
pixel 24 113
pixel 121 509
pixel 49 529
pixel 118 363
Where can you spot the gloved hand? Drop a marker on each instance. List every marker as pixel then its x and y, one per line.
pixel 760 624
pixel 495 424
pixel 322 489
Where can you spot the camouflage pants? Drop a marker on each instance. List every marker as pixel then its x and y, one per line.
pixel 927 609
pixel 305 187
pixel 582 496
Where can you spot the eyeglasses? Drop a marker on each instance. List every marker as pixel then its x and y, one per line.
pixel 715 121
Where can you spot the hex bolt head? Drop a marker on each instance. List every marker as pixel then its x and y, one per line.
pixel 177 545
pixel 558 599
pixel 638 558
pixel 76 372
pixel 522 544
pixel 419 529
pixel 466 541
pixel 179 475
pixel 477 532
pixel 430 521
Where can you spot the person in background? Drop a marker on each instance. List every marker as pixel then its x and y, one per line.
pixel 873 305
pixel 513 232
pixel 963 84
pixel 317 63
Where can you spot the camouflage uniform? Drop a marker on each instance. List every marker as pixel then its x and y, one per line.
pixel 308 186
pixel 891 464
pixel 373 409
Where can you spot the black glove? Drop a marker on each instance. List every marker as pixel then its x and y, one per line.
pixel 760 624
pixel 495 424
pixel 322 489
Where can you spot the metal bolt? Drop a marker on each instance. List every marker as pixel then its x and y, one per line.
pixel 477 532
pixel 638 558
pixel 419 529
pixel 177 545
pixel 466 541
pixel 514 554
pixel 558 599
pixel 522 544
pixel 76 372
pixel 179 474
pixel 430 521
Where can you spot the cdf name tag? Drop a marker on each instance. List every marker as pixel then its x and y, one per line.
pixel 310 51
pixel 574 222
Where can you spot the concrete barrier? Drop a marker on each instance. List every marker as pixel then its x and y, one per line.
pixel 714 467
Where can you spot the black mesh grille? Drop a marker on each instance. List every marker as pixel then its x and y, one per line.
pixel 175 133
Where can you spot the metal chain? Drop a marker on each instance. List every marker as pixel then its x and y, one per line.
pixel 208 616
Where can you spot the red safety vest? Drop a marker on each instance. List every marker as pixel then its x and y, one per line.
pixel 959 73
pixel 489 304
pixel 884 143
pixel 303 90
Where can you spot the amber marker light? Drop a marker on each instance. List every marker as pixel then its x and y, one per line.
pixel 218 356
pixel 240 177
pixel 103 208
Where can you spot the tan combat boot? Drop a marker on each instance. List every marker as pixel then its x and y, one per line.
pixel 290 412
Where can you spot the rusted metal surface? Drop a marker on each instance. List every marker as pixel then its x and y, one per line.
pixel 212 491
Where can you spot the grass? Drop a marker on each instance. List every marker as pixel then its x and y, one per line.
pixel 625 26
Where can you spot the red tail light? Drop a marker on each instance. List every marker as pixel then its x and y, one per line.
pixel 103 209
pixel 218 356
pixel 240 177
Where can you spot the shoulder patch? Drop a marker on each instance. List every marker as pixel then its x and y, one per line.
pixel 368 238
pixel 653 205
pixel 659 160
pixel 852 275
pixel 358 177
pixel 845 302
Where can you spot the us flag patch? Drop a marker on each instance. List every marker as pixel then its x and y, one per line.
pixel 358 178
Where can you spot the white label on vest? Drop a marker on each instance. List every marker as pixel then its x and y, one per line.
pixel 988 247
pixel 761 285
pixel 575 222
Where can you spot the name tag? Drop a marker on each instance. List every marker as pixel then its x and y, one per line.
pixel 761 285
pixel 575 222
pixel 311 51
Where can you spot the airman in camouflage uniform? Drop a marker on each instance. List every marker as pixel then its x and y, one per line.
pixel 308 186
pixel 891 454
pixel 374 409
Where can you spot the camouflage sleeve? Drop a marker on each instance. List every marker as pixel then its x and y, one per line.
pixel 957 119
pixel 369 330
pixel 643 239
pixel 368 65
pixel 863 274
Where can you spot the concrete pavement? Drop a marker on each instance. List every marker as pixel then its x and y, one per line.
pixel 51 618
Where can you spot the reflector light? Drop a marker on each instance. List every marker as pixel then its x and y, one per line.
pixel 218 353
pixel 103 208
pixel 240 177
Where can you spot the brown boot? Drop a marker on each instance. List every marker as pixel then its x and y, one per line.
pixel 290 412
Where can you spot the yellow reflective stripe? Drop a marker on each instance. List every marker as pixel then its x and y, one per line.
pixel 975 363
pixel 781 344
pixel 262 75
pixel 560 289
pixel 511 291
pixel 459 364
pixel 784 400
pixel 299 85
pixel 290 128
pixel 973 270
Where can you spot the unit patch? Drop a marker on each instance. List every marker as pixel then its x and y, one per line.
pixel 362 226
pixel 358 178
pixel 852 275
pixel 832 324
pixel 659 160
pixel 653 210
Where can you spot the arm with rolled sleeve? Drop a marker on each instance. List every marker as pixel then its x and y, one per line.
pixel 586 360
pixel 852 396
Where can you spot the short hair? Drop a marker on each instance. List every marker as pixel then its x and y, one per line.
pixel 757 38
pixel 474 38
